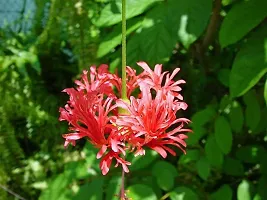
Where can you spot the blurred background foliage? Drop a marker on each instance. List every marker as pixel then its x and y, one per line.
pixel 221 48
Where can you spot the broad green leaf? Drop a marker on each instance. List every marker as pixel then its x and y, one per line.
pixel 244 191
pixel 223 134
pixel 251 153
pixel 223 76
pixel 262 124
pixel 90 155
pixel 203 116
pixel 191 155
pixel 78 169
pixel 225 104
pixel 140 162
pixel 183 193
pixel 213 152
pixel 111 13
pixel 163 25
pixel 113 188
pixel 141 191
pixel 165 174
pixel 114 38
pixel 251 12
pixel 250 63
pixel 257 197
pixel 262 187
pixel 233 167
pixel 91 191
pixel 223 193
pixel 253 110
pixel 57 188
pixel 203 168
pixel 236 116
pixel 265 91
pixel 198 133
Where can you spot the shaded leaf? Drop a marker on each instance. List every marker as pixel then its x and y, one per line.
pixel 113 188
pixel 191 155
pixel 223 134
pixel 251 153
pixel 203 168
pixel 224 76
pixel 236 116
pixel 253 110
pixel 233 167
pixel 223 193
pixel 91 191
pixel 140 162
pixel 165 174
pixel 213 152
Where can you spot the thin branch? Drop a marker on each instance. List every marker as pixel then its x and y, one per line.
pixel 213 25
pixel 11 192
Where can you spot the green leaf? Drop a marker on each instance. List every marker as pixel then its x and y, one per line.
pixel 233 167
pixel 183 193
pixel 191 155
pixel 140 162
pixel 114 38
pixel 250 63
pixel 224 76
pixel 252 12
pixel 223 134
pixel 141 191
pixel 213 152
pixel 262 187
pixel 113 188
pixel 223 193
pixel 265 91
pixel 203 116
pixel 165 174
pixel 91 191
pixel 90 154
pixel 244 191
pixel 236 116
pixel 203 168
pixel 57 188
pixel 251 153
pixel 198 133
pixel 111 13
pixel 165 24
pixel 253 110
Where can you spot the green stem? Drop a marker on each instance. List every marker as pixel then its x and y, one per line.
pixel 123 77
pixel 123 54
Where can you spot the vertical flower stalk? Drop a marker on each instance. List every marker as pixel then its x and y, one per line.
pixel 123 52
pixel 123 76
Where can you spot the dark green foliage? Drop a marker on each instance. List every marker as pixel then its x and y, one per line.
pixel 221 49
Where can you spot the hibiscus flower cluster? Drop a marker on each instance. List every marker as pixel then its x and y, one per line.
pixel 117 126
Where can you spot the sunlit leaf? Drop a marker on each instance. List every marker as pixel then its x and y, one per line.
pixel 252 12
pixel 141 191
pixel 183 193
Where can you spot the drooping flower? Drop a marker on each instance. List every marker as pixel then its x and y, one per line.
pixel 149 121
